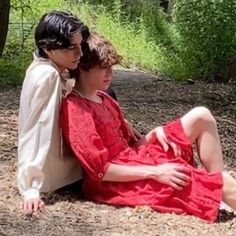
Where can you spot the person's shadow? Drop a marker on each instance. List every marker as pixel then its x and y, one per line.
pixel 72 193
pixel 225 216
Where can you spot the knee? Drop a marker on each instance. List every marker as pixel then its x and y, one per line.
pixel 204 115
pixel 227 180
pixel 225 176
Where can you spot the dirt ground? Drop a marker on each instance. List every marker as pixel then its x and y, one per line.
pixel 147 101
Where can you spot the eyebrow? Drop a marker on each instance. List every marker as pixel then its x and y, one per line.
pixel 74 45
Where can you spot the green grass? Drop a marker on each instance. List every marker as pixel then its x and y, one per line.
pixel 133 44
pixel 146 39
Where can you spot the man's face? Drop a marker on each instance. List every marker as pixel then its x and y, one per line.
pixel 67 58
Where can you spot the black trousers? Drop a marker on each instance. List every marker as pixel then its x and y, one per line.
pixel 111 92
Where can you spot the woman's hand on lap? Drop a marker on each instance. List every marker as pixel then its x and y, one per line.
pixel 161 137
pixel 175 175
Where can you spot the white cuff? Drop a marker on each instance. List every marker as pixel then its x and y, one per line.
pixel 31 194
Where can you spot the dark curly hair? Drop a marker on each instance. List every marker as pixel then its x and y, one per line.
pixel 98 51
pixel 55 30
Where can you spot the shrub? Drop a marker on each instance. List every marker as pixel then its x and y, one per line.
pixel 195 42
pixel 207 31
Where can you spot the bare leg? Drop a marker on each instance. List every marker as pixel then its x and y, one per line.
pixel 200 127
pixel 229 190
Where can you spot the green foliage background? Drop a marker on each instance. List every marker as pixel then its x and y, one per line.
pixel 195 41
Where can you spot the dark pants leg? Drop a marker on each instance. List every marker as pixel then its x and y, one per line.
pixel 111 92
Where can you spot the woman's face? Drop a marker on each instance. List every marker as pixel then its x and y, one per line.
pixel 67 58
pixel 100 78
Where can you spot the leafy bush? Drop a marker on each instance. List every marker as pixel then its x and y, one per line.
pixel 194 42
pixel 207 29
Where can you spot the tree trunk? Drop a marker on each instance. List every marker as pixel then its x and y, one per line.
pixel 4 21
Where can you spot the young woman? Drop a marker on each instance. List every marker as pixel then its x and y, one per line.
pixel 156 170
pixel 58 38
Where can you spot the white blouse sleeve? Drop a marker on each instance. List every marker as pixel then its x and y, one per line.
pixel 40 101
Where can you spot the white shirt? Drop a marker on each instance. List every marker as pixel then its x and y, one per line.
pixel 41 164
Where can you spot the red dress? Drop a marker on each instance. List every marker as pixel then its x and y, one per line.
pixel 99 136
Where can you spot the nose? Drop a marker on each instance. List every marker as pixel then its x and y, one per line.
pixel 109 71
pixel 78 51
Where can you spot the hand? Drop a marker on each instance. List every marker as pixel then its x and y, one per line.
pixel 172 174
pixel 135 133
pixel 161 137
pixel 32 205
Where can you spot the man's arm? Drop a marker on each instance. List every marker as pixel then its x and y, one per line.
pixel 35 132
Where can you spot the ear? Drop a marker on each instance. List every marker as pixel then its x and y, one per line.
pixel 48 53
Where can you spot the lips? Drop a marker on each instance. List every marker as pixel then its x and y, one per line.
pixel 76 61
pixel 107 81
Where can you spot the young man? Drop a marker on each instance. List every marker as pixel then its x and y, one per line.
pixel 42 165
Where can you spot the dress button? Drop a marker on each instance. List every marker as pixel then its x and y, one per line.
pixel 100 175
pixel 105 108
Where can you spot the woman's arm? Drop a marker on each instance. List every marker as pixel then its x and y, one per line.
pixel 135 133
pixel 173 174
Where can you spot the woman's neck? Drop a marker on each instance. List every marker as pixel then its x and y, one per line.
pixel 86 92
pixel 83 86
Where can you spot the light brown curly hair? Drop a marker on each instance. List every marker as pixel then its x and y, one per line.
pixel 98 51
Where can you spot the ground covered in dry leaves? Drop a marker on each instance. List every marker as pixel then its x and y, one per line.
pixel 147 101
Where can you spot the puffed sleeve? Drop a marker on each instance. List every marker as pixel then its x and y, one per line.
pixel 79 130
pixel 39 108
